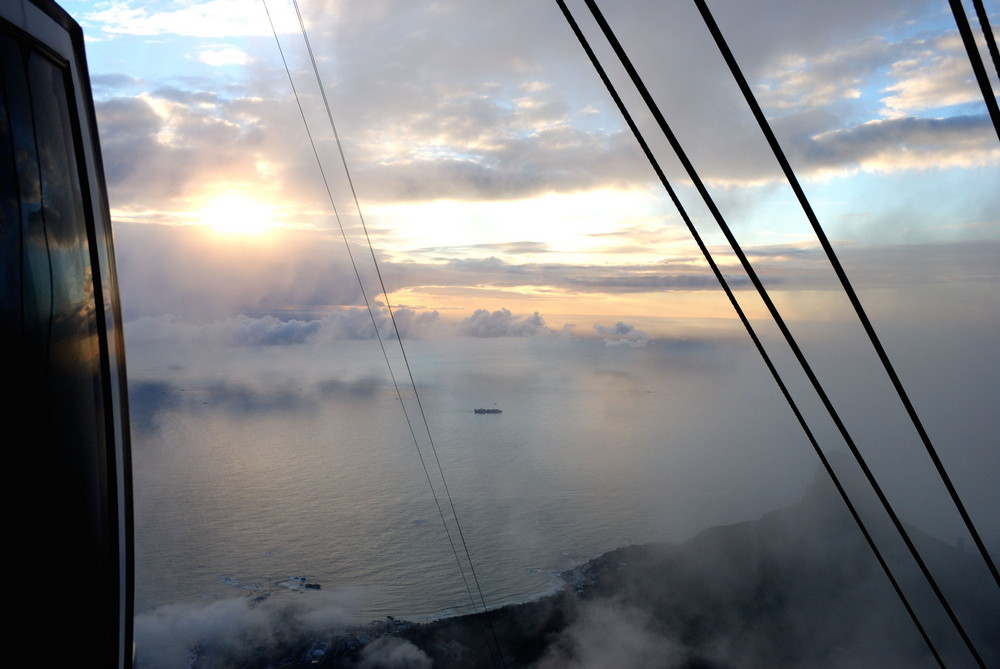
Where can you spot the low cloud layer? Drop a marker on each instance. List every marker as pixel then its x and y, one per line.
pixel 301 288
pixel 610 633
pixel 622 334
pixel 393 653
pixel 356 323
pixel 501 323
pixel 235 630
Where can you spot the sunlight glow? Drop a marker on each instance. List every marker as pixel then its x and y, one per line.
pixel 235 213
pixel 580 226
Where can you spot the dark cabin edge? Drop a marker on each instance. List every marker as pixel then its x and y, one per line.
pixel 61 328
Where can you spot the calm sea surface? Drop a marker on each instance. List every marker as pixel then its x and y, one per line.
pixel 256 464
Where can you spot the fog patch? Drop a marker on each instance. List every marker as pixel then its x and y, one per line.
pixel 147 399
pixel 242 330
pixel 393 653
pixel 235 630
pixel 609 633
pixel 361 388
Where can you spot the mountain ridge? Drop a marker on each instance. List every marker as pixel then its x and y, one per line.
pixel 797 587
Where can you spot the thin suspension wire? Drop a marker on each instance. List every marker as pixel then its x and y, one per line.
pixel 399 339
pixel 845 283
pixel 962 21
pixel 357 274
pixel 747 325
pixel 779 321
pixel 991 40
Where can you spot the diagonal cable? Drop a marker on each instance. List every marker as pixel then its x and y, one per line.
pixel 991 40
pixel 399 340
pixel 748 326
pixel 824 241
pixel 779 320
pixel 976 60
pixel 370 310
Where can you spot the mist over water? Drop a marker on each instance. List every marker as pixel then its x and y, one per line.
pixel 259 468
pixel 305 466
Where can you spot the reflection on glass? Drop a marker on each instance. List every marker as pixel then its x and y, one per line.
pixel 52 333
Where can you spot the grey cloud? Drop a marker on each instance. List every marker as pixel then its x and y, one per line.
pixel 271 331
pixel 413 324
pixel 913 265
pixel 128 127
pixel 303 276
pixel 455 106
pixel 185 272
pixel 103 84
pixel 783 251
pixel 640 283
pixel 561 160
pixel 585 278
pixel 762 34
pixel 352 323
pixel 457 83
pixel 393 653
pixel 234 631
pixel 357 389
pixel 357 324
pixel 175 94
pixel 500 247
pixel 463 119
pixel 936 138
pixel 501 323
pixel 150 399
pixel 829 78
pixel 174 141
pixel 788 267
pixel 622 334
pixel 240 399
pixel 610 633
pixel 147 399
pixel 149 158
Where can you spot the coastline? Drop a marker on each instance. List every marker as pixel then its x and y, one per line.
pixel 345 650
pixel 797 587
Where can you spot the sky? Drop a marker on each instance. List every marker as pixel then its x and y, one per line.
pixel 492 169
pixel 504 195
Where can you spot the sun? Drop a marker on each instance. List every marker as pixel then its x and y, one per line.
pixel 237 214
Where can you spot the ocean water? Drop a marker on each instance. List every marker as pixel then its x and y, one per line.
pixel 257 464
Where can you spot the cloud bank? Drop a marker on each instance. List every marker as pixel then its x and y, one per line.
pixel 236 630
pixel 501 323
pixel 622 334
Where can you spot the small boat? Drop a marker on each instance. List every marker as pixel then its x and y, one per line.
pixel 488 411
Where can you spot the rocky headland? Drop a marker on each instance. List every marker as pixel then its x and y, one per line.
pixel 798 587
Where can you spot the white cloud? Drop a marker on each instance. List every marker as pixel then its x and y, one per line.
pixel 908 143
pixel 938 75
pixel 213 18
pixel 928 82
pixel 622 334
pixel 501 323
pixel 231 631
pixel 838 74
pixel 459 117
pixel 226 56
